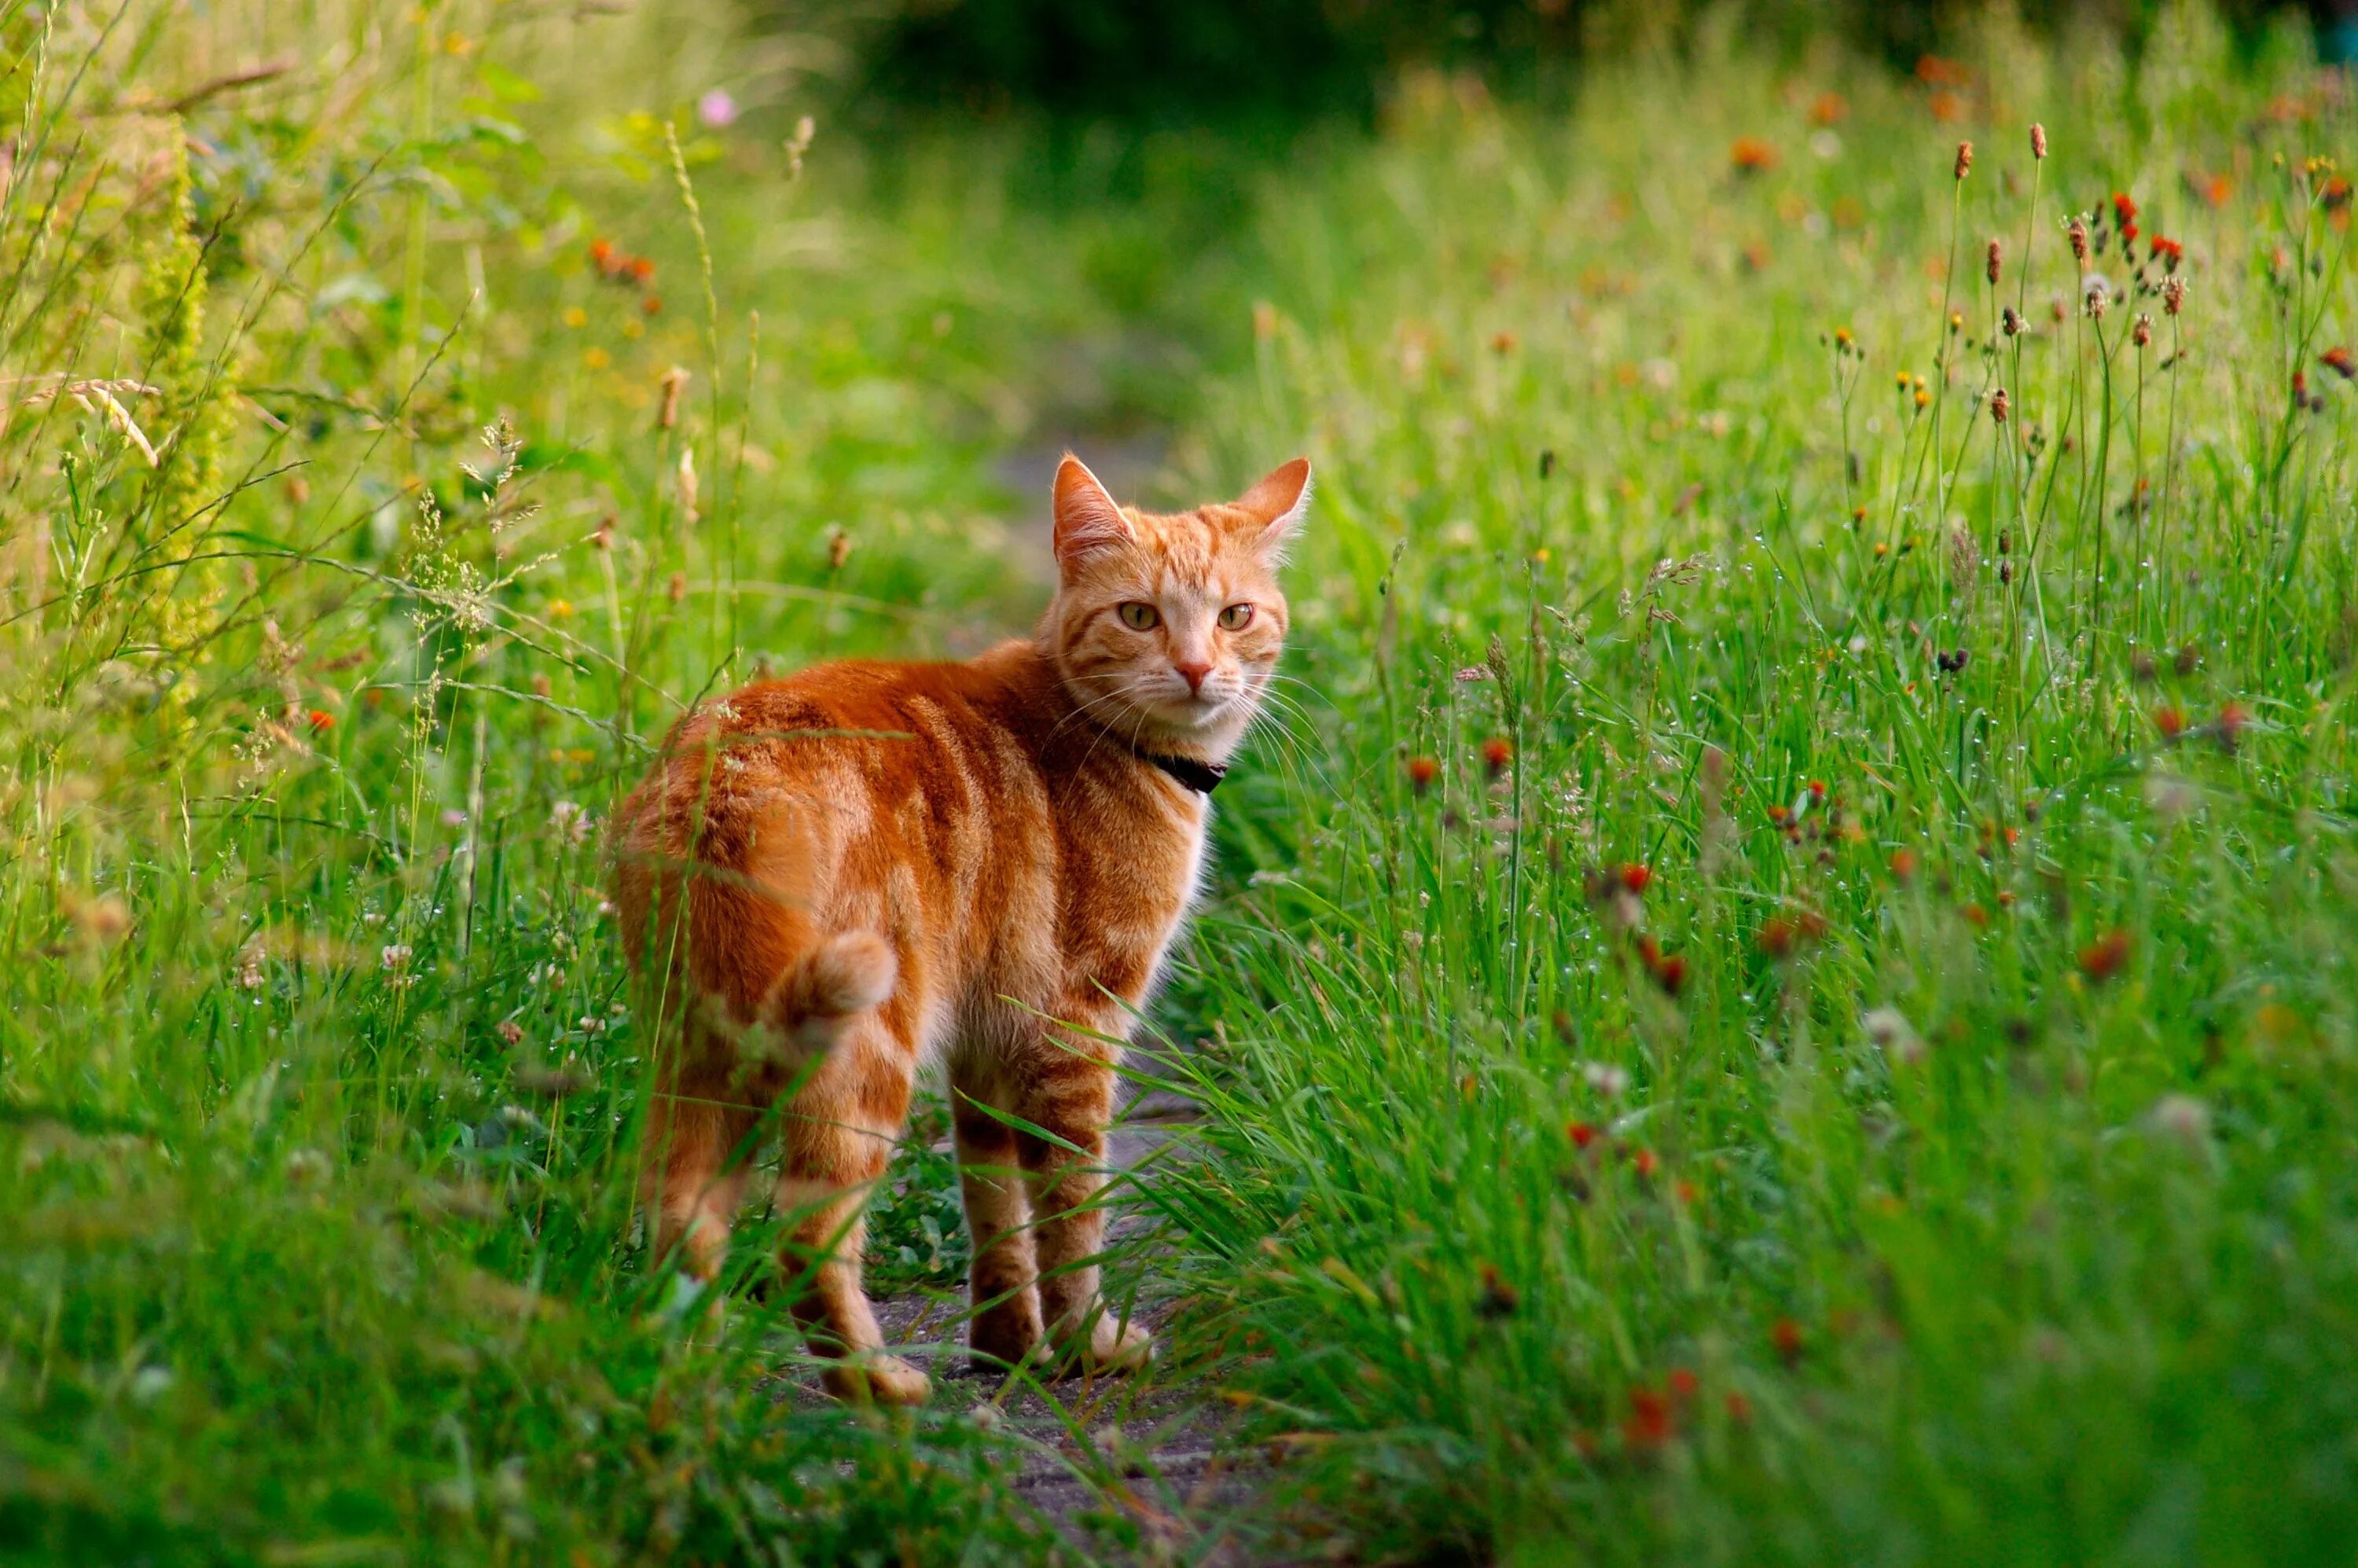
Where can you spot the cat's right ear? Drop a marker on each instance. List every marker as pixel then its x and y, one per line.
pixel 1087 521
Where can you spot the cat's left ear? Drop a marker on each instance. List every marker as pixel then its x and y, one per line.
pixel 1277 505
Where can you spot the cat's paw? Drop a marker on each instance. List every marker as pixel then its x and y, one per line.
pixel 1109 1346
pixel 1001 1341
pixel 878 1378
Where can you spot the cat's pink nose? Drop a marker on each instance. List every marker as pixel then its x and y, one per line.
pixel 1194 673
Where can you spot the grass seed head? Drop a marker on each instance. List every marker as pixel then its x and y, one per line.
pixel 1965 160
pixel 2038 141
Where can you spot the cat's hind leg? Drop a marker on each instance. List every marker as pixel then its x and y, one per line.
pixel 692 1171
pixel 838 1135
pixel 1004 1299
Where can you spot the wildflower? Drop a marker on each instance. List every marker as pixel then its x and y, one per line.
pixel 1965 160
pixel 641 269
pixel 2124 210
pixel 1502 343
pixel 2168 253
pixel 673 382
pixel 838 550
pixel 1634 877
pixel 1650 1424
pixel 2233 721
pixel 1890 1031
pixel 1903 865
pixel 1991 266
pixel 2076 230
pixel 1828 110
pixel 717 109
pixel 1923 398
pixel 1645 1163
pixel 1684 1384
pixel 1998 405
pixel 2096 296
pixel 2183 1119
pixel 511 1031
pixel 2102 960
pixel 1610 1081
pixel 2142 333
pixel 1422 771
pixel 320 720
pixel 1499 1299
pixel 2011 322
pixel 2038 140
pixel 1496 753
pixel 1786 1338
pixel 651 305
pixel 394 956
pixel 2338 360
pixel 2173 295
pixel 1750 155
pixel 1739 1408
pixel 601 255
pixel 1975 916
pixel 1582 1133
pixel 569 822
pixel 1669 969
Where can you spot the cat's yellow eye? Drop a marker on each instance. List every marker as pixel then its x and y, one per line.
pixel 1139 616
pixel 1236 617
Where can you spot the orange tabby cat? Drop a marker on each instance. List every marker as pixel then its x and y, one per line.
pixel 832 879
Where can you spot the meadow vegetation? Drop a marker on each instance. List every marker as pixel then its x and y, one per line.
pixel 1779 988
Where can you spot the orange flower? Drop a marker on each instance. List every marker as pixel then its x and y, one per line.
pixel 1785 1337
pixel 1829 110
pixel 1496 753
pixel 2124 210
pixel 1903 865
pixel 2338 360
pixel 320 720
pixel 1645 1163
pixel 1750 155
pixel 1635 877
pixel 1650 1423
pixel 1684 1384
pixel 2170 722
pixel 1582 1133
pixel 1739 1408
pixel 1422 771
pixel 2102 960
pixel 2168 253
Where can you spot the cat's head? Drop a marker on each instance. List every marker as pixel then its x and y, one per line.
pixel 1166 627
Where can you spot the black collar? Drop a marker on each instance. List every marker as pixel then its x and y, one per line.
pixel 1201 777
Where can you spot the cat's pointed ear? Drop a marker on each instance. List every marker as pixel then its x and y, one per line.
pixel 1277 505
pixel 1087 521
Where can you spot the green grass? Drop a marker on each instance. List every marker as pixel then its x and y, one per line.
pixel 1982 1190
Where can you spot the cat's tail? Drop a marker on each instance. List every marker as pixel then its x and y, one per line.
pixel 833 981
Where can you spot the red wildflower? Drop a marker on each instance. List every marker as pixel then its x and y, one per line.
pixel 1785 1337
pixel 2233 721
pixel 2102 960
pixel 2168 253
pixel 641 269
pixel 1645 1163
pixel 1829 109
pixel 1422 771
pixel 1635 877
pixel 1684 1384
pixel 601 254
pixel 1670 974
pixel 1652 1423
pixel 2124 211
pixel 2170 722
pixel 1933 71
pixel 1975 916
pixel 2128 235
pixel 2336 194
pixel 2338 360
pixel 1750 155
pixel 1685 1192
pixel 1583 1134
pixel 1496 753
pixel 1739 1408
pixel 650 305
pixel 1903 865
pixel 319 719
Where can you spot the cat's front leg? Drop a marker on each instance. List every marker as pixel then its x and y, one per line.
pixel 1069 1095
